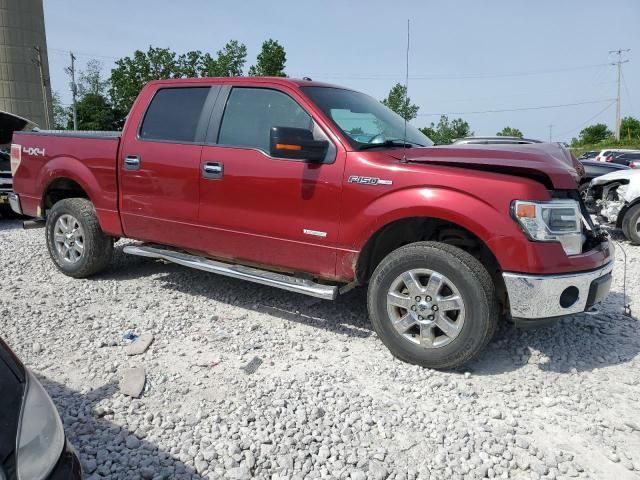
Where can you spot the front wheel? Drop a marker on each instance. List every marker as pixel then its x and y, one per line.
pixel 433 305
pixel 77 245
pixel 631 224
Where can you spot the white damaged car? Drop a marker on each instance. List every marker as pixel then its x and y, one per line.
pixel 615 198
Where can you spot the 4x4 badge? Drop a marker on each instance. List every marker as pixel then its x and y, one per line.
pixel 368 180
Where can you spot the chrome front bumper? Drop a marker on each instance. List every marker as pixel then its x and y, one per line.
pixel 546 296
pixel 14 201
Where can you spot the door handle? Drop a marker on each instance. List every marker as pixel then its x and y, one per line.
pixel 132 162
pixel 212 170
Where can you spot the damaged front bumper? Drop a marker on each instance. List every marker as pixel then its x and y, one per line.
pixel 541 297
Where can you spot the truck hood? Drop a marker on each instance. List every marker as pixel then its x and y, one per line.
pixel 550 164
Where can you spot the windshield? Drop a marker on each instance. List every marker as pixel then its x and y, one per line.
pixel 363 120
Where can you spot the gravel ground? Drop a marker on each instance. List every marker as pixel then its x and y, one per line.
pixel 328 400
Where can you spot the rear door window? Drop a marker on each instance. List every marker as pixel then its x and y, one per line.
pixel 174 114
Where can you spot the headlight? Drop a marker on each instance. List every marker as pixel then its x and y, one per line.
pixel 554 221
pixel 40 436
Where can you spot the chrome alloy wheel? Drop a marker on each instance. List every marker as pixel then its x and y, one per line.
pixel 68 238
pixel 426 308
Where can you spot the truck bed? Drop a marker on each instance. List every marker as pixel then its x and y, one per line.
pixel 84 159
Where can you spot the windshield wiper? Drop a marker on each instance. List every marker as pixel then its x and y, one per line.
pixel 390 143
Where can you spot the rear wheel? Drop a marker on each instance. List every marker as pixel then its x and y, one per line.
pixel 432 305
pixel 77 245
pixel 631 224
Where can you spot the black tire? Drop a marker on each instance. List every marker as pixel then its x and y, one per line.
pixel 474 285
pixel 630 224
pixel 98 247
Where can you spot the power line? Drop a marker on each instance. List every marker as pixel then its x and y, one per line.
pixel 589 120
pixel 82 54
pixel 542 107
pixel 626 89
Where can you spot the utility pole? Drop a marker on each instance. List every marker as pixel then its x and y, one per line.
pixel 74 89
pixel 619 63
pixel 43 83
pixel 550 133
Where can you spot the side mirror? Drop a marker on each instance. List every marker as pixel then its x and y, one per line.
pixel 297 143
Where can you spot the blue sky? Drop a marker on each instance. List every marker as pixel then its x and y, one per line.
pixel 466 56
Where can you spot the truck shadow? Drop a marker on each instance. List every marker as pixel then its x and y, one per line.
pixel 97 439
pixel 10 224
pixel 346 315
pixel 582 342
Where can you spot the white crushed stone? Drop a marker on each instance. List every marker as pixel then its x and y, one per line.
pixel 328 400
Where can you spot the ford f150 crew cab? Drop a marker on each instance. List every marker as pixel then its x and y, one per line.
pixel 315 189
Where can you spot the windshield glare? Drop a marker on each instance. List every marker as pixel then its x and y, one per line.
pixel 363 119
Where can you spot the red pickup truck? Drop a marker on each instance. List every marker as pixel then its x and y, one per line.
pixel 316 189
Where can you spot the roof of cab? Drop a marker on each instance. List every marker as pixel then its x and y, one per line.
pixel 285 81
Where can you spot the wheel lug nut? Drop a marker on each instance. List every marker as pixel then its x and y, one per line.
pixel 435 308
pixel 420 318
pixel 428 299
pixel 413 307
pixel 418 299
pixel 430 317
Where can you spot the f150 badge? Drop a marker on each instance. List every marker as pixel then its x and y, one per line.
pixel 34 151
pixel 368 180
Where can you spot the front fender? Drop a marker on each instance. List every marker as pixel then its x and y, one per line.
pixel 474 214
pixel 488 218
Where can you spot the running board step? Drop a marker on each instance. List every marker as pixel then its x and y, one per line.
pixel 264 277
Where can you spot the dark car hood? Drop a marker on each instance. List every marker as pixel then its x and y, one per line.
pixel 549 163
pixel 10 123
pixel 604 165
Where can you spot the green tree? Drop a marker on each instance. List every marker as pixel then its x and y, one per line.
pixel 629 128
pixel 190 64
pixel 131 73
pixel 271 60
pixel 95 112
pixel 230 61
pixel 594 134
pixel 399 102
pixel 510 132
pixel 90 79
pixel 60 112
pixel 447 131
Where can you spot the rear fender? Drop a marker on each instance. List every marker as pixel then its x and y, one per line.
pixel 103 197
